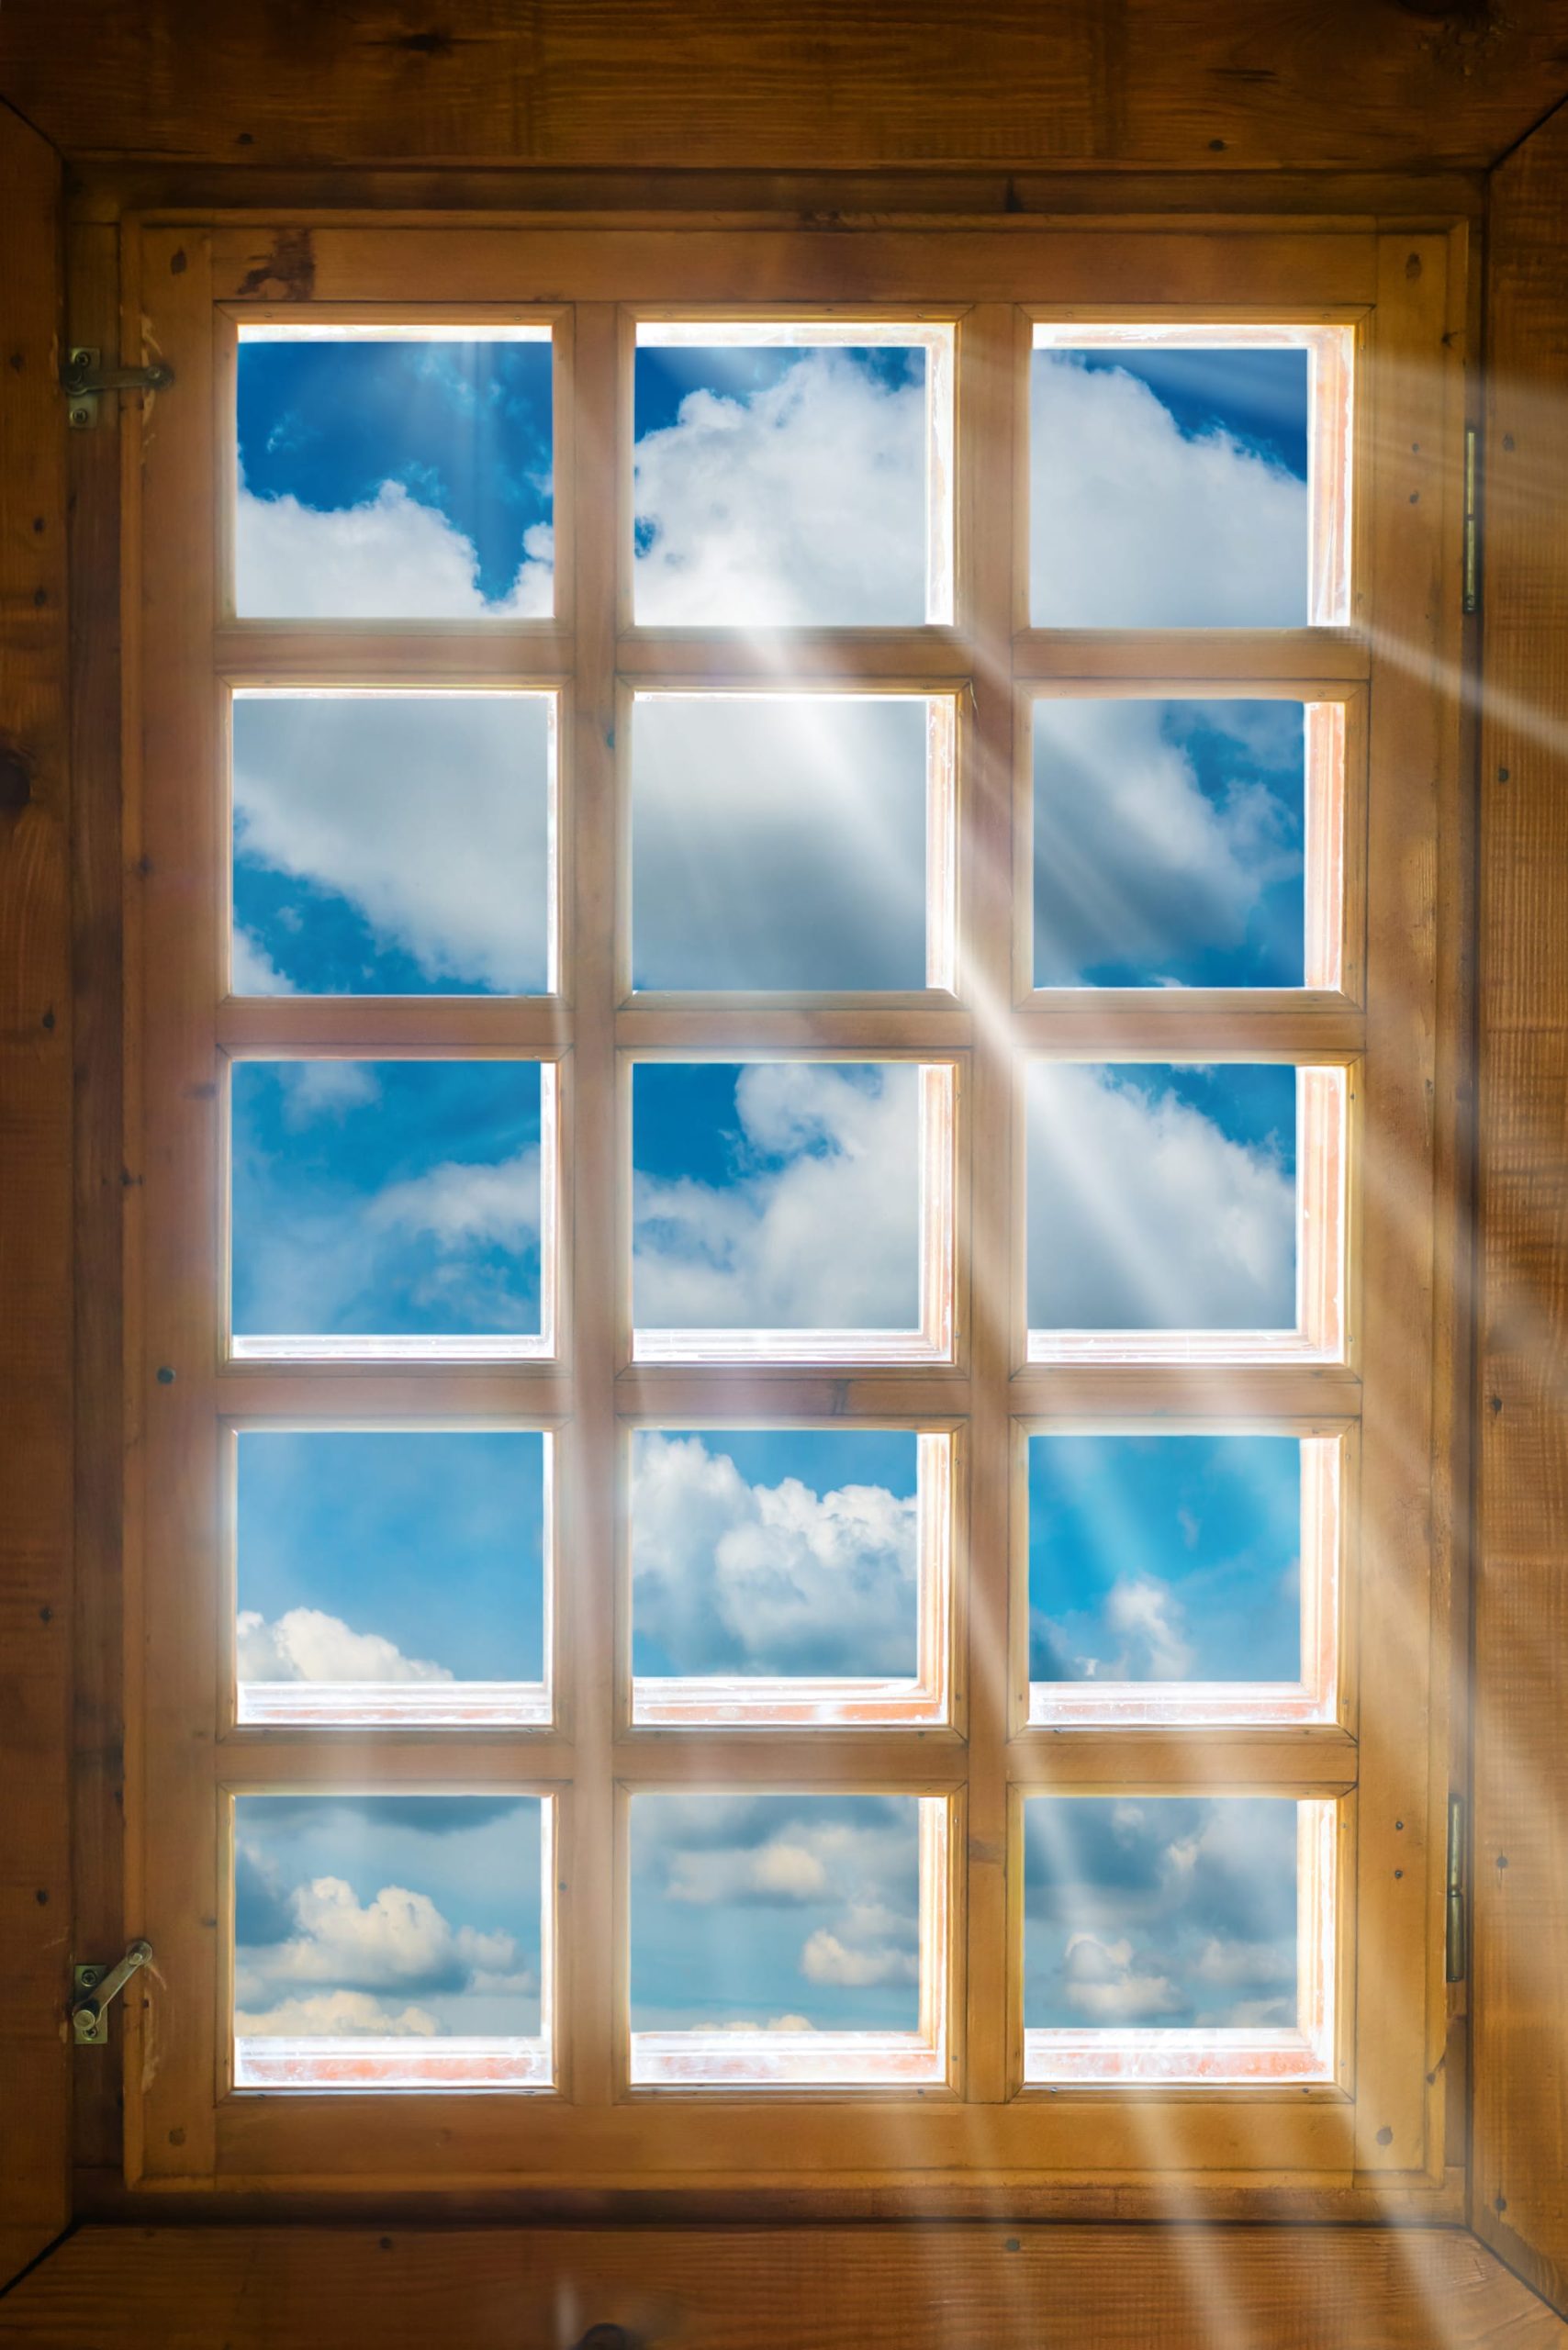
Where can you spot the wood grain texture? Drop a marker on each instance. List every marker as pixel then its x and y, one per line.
pixel 35 1212
pixel 1519 1997
pixel 671 83
pixel 978 2288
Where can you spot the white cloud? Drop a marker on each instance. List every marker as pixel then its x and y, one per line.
pixel 325 1089
pixel 389 558
pixel 335 2015
pixel 805 503
pixel 1237 1964
pixel 1132 525
pixel 1134 863
pixel 1151 1621
pixel 1143 1215
pixel 430 812
pixel 826 1959
pixel 733 1576
pixel 460 1202
pixel 778 841
pixel 398 1938
pixel 828 1240
pixel 304 1644
pixel 252 968
pixel 1104 1983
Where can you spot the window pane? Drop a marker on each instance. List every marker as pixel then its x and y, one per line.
pixel 396 1576
pixel 392 844
pixel 786 479
pixel 767 1928
pixel 389 1941
pixel 777 1195
pixel 780 841
pixel 1168 842
pixel 393 474
pixel 785 1552
pixel 385 1202
pixel 1165 1558
pixel 1168 487
pixel 1151 1914
pixel 1161 1196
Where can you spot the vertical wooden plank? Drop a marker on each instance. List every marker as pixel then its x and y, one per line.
pixel 1520 1971
pixel 1414 381
pixel 98 1710
pixel 35 1214
pixel 175 1874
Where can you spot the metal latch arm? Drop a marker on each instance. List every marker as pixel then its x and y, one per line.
pixel 96 1986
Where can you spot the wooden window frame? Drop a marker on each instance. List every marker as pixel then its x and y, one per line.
pixel 1387 1765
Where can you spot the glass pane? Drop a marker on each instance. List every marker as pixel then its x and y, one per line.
pixel 395 844
pixel 1168 842
pixel 389 1941
pixel 776 1195
pixel 393 1200
pixel 785 1552
pixel 1168 488
pixel 1161 1196
pixel 785 480
pixel 399 473
pixel 767 1929
pixel 397 1575
pixel 1166 1558
pixel 778 841
pixel 1169 1913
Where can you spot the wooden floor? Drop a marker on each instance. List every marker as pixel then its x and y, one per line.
pixel 811 2288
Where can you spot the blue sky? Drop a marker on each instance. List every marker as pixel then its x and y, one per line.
pixel 778 841
pixel 392 844
pixel 1164 1558
pixel 775 1908
pixel 1161 1196
pixel 385 1198
pixel 1168 842
pixel 1159 1911
pixel 430 1540
pixel 407 1915
pixel 790 1552
pixel 1169 488
pixel 400 844
pixel 776 1195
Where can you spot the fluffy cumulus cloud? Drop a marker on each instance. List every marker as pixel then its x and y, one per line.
pixel 461 1203
pixel 335 2015
pixel 818 1229
pixel 1135 863
pixel 841 1874
pixel 1136 524
pixel 1143 1213
pixel 391 557
pixel 398 1938
pixel 804 504
pixel 1179 1912
pixel 428 812
pixel 306 1644
pixel 1148 1640
pixel 733 1577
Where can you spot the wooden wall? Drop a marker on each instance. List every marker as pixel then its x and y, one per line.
pixel 1519 2182
pixel 35 1211
pixel 971 104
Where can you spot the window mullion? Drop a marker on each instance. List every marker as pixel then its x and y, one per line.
pixel 586 1912
pixel 992 496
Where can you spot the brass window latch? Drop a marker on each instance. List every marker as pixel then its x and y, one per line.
pixel 95 1986
pixel 84 380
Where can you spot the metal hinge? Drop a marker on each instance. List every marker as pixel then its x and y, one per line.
pixel 83 381
pixel 96 1986
pixel 1472 537
pixel 1456 1919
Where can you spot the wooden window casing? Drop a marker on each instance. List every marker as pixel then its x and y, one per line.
pixel 1372 1765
